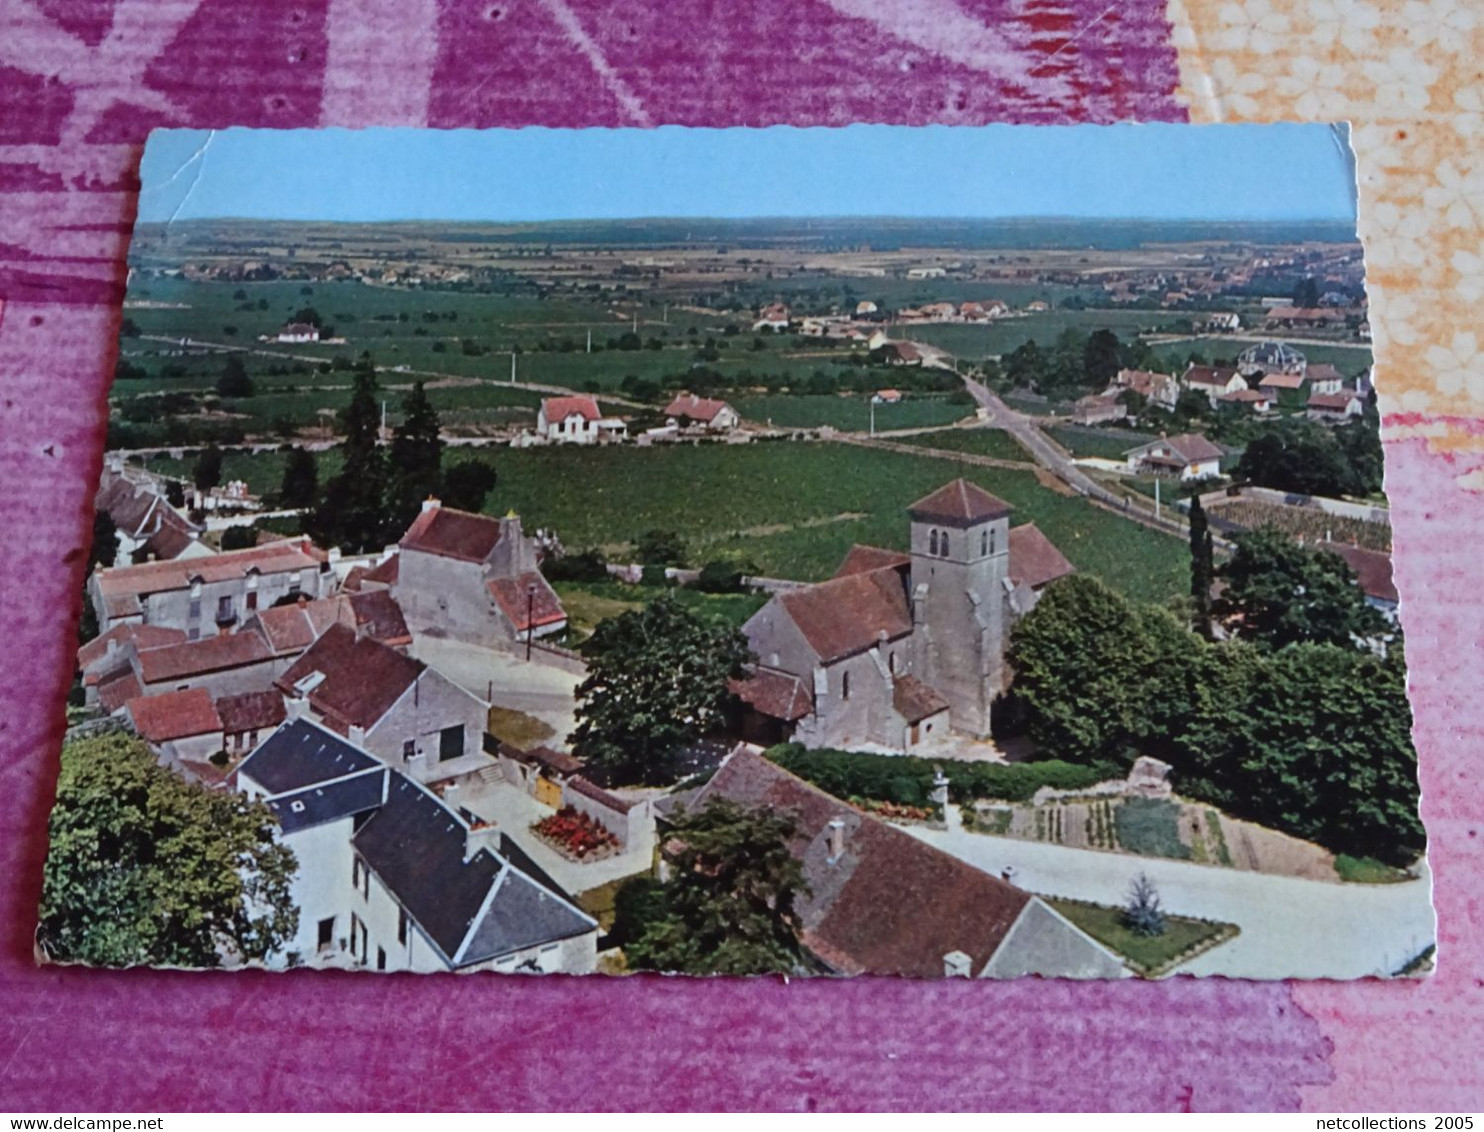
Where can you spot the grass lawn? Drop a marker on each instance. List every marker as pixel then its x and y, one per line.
pixel 850 413
pixel 1106 445
pixel 588 603
pixel 1001 336
pixel 517 728
pixel 1367 870
pixel 1148 955
pixel 993 442
pixel 1150 828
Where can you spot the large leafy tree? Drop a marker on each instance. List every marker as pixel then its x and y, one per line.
pixel 300 483
pixel 1096 674
pixel 1279 593
pixel 234 380
pixel 416 457
pixel 146 868
pixel 728 908
pixel 1101 355
pixel 1309 458
pixel 656 679
pixel 352 512
pixel 467 485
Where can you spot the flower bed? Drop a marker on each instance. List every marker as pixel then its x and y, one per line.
pixel 575 835
pixel 897 811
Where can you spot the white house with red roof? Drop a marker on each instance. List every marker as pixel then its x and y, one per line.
pixel 576 420
pixel 898 648
pixel 1214 381
pixel 689 411
pixel 774 317
pixel 473 578
pixel 1188 456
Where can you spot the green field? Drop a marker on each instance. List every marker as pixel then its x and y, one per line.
pixel 1348 359
pixel 993 442
pixel 849 413
pixel 588 603
pixel 1098 443
pixel 1001 336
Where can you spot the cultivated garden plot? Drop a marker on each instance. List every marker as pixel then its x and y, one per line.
pixel 555 554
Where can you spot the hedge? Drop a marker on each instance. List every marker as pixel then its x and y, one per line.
pixel 908 779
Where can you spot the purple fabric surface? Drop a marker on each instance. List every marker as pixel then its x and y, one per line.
pixel 86 79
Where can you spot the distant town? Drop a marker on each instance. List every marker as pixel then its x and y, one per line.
pixel 811 596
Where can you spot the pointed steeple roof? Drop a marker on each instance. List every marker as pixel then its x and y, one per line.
pixel 959 503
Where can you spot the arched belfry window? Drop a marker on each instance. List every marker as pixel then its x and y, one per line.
pixel 943 544
pixel 933 543
pixel 984 541
pixel 991 542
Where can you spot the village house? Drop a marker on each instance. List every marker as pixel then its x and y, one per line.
pixel 1308 318
pixel 110 653
pixel 1278 386
pixel 899 353
pixel 299 332
pixel 149 527
pixel 865 309
pixel 473 578
pixel 1325 378
pixel 1186 457
pixel 1335 408
pixel 1223 322
pixel 1251 400
pixel 210 595
pixel 1213 381
pixel 690 411
pixel 576 420
pixel 1372 570
pixel 407 714
pixel 392 878
pixel 183 729
pixel 879 901
pixel 1156 388
pixel 926 272
pixel 1267 358
pixel 227 664
pixel 1098 408
pixel 774 317
pixel 896 648
pixel 247 718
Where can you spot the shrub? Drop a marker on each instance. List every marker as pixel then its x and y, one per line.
pixel 655 576
pixel 239 538
pixel 584 566
pixel 724 576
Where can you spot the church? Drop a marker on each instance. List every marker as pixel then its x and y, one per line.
pixel 897 650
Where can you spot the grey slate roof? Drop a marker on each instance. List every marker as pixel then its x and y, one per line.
pixel 472 910
pixel 300 754
pixel 319 804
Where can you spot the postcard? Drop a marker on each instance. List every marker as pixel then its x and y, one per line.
pixel 931 552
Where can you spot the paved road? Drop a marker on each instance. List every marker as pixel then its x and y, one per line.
pixel 1291 928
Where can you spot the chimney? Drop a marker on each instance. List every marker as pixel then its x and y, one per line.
pixel 357 735
pixel 479 834
pixel 296 707
pixel 836 835
pixel 431 502
pixel 957 965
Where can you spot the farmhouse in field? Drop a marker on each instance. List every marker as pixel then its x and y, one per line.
pixel 1097 408
pixel 299 332
pixel 209 595
pixel 473 578
pixel 576 420
pixel 896 649
pixel 1187 457
pixel 390 877
pixel 881 902
pixel 773 317
pixel 689 411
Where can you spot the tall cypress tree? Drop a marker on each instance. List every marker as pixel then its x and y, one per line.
pixel 1202 566
pixel 353 512
pixel 416 457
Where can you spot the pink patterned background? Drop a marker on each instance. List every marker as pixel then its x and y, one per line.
pixel 85 80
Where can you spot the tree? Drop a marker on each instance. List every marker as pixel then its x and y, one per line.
pixel 1279 593
pixel 1101 358
pixel 728 908
pixel 352 512
pixel 174 493
pixel 1312 459
pixel 1306 293
pixel 1202 567
pixel 660 548
pixel 1026 367
pixel 103 549
pixel 234 381
pixel 239 537
pixel 726 575
pixel 300 483
pixel 208 470
pixel 416 457
pixel 1097 675
pixel 467 485
pixel 148 869
pixel 656 679
pixel 308 315
pixel 1142 915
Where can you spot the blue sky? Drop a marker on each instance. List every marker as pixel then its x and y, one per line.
pixel 1236 172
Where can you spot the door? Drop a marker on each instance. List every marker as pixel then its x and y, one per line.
pixel 548 792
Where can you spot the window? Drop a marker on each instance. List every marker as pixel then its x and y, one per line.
pixel 358 941
pixel 845 685
pixel 252 601
pixel 401 925
pixel 409 749
pixel 933 543
pixel 450 743
pixel 224 611
pixel 984 541
pixel 991 542
pixel 326 933
pixel 381 959
pixel 195 611
pixel 891 663
pixel 360 878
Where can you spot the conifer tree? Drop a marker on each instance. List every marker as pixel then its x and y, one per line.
pixel 1202 566
pixel 416 458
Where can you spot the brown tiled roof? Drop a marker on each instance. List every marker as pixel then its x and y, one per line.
pixel 860 559
pixel 155 577
pixel 362 678
pixel 251 711
pixel 452 534
pixel 1034 559
pixel 511 596
pixel 694 408
pixel 560 408
pixel 599 795
pixel 780 695
pixel 1337 402
pixel 174 715
pixel 848 615
pixel 171 537
pixel 377 614
pixel 140 636
pixel 891 904
pixel 1323 371
pixel 1284 380
pixel 558 762
pixel 1372 569
pixel 209 654
pixel 1245 397
pixel 914 701
pixel 958 504
pixel 352 583
pixel 1209 375
pixel 1193 448
pixel 293 628
pixel 384 571
pixel 117 688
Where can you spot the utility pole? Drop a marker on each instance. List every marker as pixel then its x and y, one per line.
pixel 512 365
pixel 1156 498
pixel 589 339
pixel 873 416
pixel 382 434
pixel 530 616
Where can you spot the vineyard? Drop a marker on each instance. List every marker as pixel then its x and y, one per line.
pixel 1307 524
